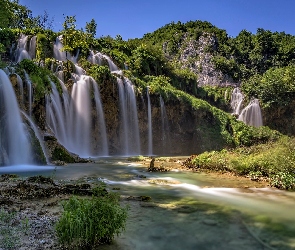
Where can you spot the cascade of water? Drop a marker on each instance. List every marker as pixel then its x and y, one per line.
pixel 150 129
pixel 30 97
pixel 38 135
pixel 32 47
pixel 123 116
pixel 236 101
pixel 101 122
pixel 129 130
pixel 112 66
pixel 61 55
pixel 165 127
pixel 99 57
pixel 251 114
pixel 55 114
pixel 14 142
pixel 95 58
pixel 58 53
pixel 69 117
pixel 133 117
pixel 21 87
pixel 80 126
pixel 21 52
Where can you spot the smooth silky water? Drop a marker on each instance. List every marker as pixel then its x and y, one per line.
pixel 187 210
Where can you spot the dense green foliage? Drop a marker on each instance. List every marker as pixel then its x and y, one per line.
pixel 86 223
pixel 39 76
pixel 244 58
pixel 276 87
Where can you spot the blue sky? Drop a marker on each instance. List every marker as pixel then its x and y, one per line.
pixel 134 18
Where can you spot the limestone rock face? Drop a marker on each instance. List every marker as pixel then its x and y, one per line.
pixel 197 56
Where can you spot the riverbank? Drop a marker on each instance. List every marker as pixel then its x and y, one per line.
pixel 155 221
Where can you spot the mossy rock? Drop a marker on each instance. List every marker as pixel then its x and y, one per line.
pixel 61 154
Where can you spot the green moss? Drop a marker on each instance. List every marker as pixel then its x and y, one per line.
pixel 39 76
pixel 60 154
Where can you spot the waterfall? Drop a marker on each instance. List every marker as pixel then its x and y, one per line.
pixel 59 54
pixel 30 90
pixel 129 130
pixel 150 129
pixel 70 117
pixel 236 101
pixel 32 47
pixel 15 146
pixel 101 122
pixel 38 135
pixel 251 114
pixel 165 127
pixel 21 88
pixel 98 59
pixel 21 52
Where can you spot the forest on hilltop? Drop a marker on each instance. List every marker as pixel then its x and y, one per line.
pixel 262 63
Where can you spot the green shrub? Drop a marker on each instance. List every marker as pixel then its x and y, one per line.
pixel 283 180
pixel 86 223
pixel 274 160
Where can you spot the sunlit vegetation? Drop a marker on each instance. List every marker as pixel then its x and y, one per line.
pixel 272 160
pixel 86 223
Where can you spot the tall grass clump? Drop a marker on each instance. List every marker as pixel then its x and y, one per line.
pixel 272 160
pixel 86 223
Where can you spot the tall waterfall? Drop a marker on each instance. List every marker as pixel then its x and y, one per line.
pixel 236 101
pixel 165 127
pixel 251 114
pixel 129 130
pixel 15 146
pixel 30 92
pixel 150 129
pixel 70 117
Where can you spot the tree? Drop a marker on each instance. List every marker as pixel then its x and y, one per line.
pixel 91 28
pixel 5 13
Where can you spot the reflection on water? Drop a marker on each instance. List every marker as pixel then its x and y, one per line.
pixel 184 212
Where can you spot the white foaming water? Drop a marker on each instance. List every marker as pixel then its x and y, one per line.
pixel 236 101
pixel 251 114
pixel 21 53
pixel 14 140
pixel 69 117
pixel 38 135
pixel 98 59
pixel 150 129
pixel 129 130
pixel 165 127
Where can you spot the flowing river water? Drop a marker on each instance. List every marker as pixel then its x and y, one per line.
pixel 186 210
